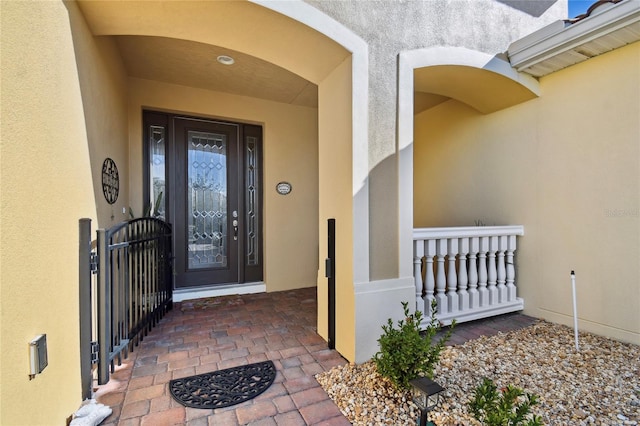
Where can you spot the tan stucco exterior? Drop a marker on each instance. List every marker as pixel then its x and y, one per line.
pixel 336 202
pixel 46 187
pixel 566 166
pixel 103 85
pixel 558 155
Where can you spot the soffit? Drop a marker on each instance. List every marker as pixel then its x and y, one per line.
pixel 194 64
pixel 608 26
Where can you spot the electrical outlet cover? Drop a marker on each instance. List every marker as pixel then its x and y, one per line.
pixel 38 353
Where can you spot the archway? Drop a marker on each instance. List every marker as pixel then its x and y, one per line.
pixel 430 76
pixel 302 40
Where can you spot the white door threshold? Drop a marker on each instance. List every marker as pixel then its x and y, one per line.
pixel 218 290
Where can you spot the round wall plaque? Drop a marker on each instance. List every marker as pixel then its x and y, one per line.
pixel 283 188
pixel 110 181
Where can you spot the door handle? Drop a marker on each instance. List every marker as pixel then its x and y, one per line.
pixel 235 225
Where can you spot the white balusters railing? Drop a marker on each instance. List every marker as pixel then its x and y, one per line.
pixel 468 271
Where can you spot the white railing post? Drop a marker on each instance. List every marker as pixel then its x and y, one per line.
pixel 511 270
pixel 441 297
pixel 492 273
pixel 430 282
pixel 418 254
pixel 502 272
pixel 474 296
pixel 482 271
pixel 452 277
pixel 463 294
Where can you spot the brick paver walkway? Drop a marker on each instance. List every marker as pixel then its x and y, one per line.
pixel 212 334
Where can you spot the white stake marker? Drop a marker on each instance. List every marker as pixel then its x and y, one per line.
pixel 575 311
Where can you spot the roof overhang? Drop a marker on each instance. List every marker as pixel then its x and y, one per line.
pixel 563 43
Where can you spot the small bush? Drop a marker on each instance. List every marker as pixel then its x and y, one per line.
pixel 404 353
pixel 510 407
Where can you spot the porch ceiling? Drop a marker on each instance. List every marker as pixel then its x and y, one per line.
pixel 194 64
pixel 277 58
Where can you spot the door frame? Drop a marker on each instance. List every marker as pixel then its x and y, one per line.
pixel 250 143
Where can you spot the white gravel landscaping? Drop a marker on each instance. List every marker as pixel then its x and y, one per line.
pixel 600 385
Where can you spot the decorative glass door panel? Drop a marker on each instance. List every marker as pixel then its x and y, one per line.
pixel 157 171
pixel 207 224
pixel 206 188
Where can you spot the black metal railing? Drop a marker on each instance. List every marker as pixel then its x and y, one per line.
pixel 133 289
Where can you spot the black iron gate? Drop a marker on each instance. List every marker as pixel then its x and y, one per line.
pixel 131 291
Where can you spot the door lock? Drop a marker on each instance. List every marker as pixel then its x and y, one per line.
pixel 235 225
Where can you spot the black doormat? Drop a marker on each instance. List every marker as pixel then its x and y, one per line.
pixel 223 388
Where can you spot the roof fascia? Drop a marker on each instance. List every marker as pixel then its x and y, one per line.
pixel 560 37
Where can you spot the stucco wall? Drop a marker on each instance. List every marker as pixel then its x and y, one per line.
pixel 335 155
pixel 566 166
pixel 389 28
pixel 45 188
pixel 290 154
pixel 103 84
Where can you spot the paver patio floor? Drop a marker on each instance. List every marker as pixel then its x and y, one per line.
pixel 212 334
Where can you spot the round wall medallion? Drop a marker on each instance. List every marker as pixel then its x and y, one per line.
pixel 110 181
pixel 283 188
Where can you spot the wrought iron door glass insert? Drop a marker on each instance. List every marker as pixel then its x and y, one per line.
pixel 207 200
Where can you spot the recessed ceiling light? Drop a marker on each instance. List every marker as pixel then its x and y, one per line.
pixel 225 60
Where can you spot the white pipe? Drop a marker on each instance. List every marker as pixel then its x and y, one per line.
pixel 575 311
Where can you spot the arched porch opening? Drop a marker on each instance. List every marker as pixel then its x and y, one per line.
pixel 481 84
pixel 303 136
pixel 428 77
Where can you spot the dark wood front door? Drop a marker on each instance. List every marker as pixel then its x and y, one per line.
pixel 213 200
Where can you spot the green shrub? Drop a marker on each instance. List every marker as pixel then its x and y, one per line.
pixel 510 407
pixel 405 353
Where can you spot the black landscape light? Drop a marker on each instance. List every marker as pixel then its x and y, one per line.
pixel 426 395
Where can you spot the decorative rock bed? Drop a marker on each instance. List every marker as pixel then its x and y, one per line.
pixel 599 385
